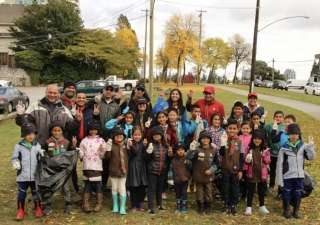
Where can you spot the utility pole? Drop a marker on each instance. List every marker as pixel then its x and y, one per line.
pixel 145 47
pixel 273 70
pixel 151 49
pixel 254 49
pixel 198 66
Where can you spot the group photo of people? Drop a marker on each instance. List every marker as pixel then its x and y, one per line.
pixel 145 152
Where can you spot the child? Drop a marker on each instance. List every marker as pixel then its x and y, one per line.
pixel 216 130
pixel 24 160
pixel 237 113
pixel 278 118
pixel 282 135
pixel 246 138
pixel 256 122
pixel 137 174
pixel 179 175
pixel 56 145
pixel 290 169
pixel 92 151
pixel 205 163
pixel 170 133
pixel 232 165
pixel 157 156
pixel 125 121
pixel 144 116
pixel 118 168
pixel 257 159
pixel 173 120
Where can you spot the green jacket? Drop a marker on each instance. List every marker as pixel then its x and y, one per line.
pixel 274 147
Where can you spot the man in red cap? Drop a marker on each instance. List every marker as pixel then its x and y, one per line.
pixel 253 106
pixel 208 105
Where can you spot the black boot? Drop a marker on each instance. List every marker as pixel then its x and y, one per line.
pixel 296 208
pixel 201 207
pixel 207 207
pixel 279 195
pixel 178 209
pixel 265 187
pixel 184 206
pixel 286 209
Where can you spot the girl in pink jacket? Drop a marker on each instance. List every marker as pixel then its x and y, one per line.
pixel 257 159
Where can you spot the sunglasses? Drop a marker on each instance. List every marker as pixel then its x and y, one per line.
pixel 109 89
pixel 207 93
pixel 141 89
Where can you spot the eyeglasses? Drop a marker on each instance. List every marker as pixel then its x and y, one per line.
pixel 141 89
pixel 207 93
pixel 109 89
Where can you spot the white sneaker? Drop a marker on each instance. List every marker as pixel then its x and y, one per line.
pixel 264 210
pixel 248 211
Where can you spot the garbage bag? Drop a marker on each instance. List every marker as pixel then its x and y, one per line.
pixel 308 185
pixel 53 172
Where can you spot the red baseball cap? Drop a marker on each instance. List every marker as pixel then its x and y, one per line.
pixel 209 89
pixel 252 94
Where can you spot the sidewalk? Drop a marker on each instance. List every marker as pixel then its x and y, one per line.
pixel 311 109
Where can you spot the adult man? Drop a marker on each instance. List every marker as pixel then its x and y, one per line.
pixel 68 96
pixel 208 105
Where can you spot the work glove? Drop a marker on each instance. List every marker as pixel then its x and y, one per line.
pixel 310 141
pixel 193 145
pixel 73 110
pixel 198 118
pixel 129 141
pixel 125 110
pixel 263 117
pixel 225 121
pixel 171 182
pixel 41 152
pixel 109 145
pixel 20 108
pixel 147 124
pixel 16 166
pixel 248 158
pixel 150 148
pixel 81 153
pixel 224 139
pixel 214 145
pixel 97 98
pixel 275 125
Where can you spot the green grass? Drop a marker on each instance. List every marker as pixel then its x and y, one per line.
pixel 314 99
pixel 10 135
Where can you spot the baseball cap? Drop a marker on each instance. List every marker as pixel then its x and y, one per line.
pixel 141 85
pixel 108 84
pixel 252 94
pixel 209 89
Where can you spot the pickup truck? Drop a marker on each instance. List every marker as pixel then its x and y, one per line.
pixel 91 87
pixel 126 84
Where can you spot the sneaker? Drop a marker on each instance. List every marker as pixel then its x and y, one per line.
pixel 248 211
pixel 225 209
pixel 47 210
pixel 146 198
pixel 271 188
pixel 151 212
pixel 134 209
pixel 233 210
pixel 69 209
pixel 264 210
pixel 164 196
pixel 141 207
pixel 161 209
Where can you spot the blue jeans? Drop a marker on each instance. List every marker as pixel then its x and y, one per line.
pixel 292 188
pixel 23 187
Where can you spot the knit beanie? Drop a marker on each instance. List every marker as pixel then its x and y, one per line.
pixel 56 123
pixel 179 145
pixel 294 128
pixel 205 134
pixel 258 133
pixel 93 125
pixel 157 130
pixel 69 83
pixel 28 128
pixel 116 131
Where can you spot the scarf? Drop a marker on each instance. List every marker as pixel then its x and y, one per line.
pixel 29 146
pixel 135 99
pixel 293 145
pixel 165 128
pixel 239 119
pixel 56 147
pixel 252 109
pixel 81 131
pixel 141 120
pixel 67 100
pixel 122 161
pixel 232 145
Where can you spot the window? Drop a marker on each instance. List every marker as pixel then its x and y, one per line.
pixel 81 85
pixel 17 92
pixel 11 92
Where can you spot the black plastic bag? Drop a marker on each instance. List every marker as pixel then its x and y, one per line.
pixel 308 185
pixel 53 172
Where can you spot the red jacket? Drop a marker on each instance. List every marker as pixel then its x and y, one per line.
pixel 208 109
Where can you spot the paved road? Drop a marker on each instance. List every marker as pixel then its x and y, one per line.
pixel 311 109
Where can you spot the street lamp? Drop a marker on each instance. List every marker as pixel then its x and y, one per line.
pixel 255 37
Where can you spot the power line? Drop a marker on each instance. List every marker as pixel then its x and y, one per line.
pixel 296 61
pixel 212 7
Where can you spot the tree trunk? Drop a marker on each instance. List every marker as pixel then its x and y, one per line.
pixel 184 72
pixel 178 70
pixel 235 73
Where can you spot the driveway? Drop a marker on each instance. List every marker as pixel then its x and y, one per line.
pixel 311 109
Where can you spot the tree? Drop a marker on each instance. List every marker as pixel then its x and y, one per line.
pixel 241 51
pixel 123 23
pixel 315 68
pixel 162 61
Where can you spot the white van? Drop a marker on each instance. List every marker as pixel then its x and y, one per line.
pixel 5 83
pixel 293 83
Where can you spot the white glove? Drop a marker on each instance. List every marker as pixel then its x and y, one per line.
pixel 150 148
pixel 97 98
pixel 214 145
pixel 275 125
pixel 73 110
pixel 248 158
pixel 129 141
pixel 16 166
pixel 310 141
pixel 193 145
pixel 41 152
pixel 225 121
pixel 81 153
pixel 20 108
pixel 147 124
pixel 109 145
pixel 198 118
pixel 224 139
pixel 171 182
pixel 263 117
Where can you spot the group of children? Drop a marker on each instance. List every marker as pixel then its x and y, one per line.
pixel 145 157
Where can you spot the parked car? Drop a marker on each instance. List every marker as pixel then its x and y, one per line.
pixel 266 83
pixel 280 84
pixel 9 97
pixel 5 83
pixel 92 87
pixel 257 82
pixel 312 88
pixel 126 84
pixel 293 83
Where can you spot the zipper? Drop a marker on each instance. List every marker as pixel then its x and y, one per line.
pixel 160 164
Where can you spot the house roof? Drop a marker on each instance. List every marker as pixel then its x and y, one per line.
pixel 9 12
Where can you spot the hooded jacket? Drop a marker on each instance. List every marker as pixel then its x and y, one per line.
pixel 108 111
pixel 246 110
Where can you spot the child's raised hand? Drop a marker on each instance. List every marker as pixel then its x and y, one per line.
pixel 224 139
pixel 150 148
pixel 190 94
pixel 161 94
pixel 263 153
pixel 101 148
pixel 145 142
pixel 310 141
pixel 129 142
pixel 275 125
pixel 193 145
pixel 147 124
pixel 120 118
pixel 248 158
pixel 208 172
pixel 225 121
pixel 198 118
pixel 263 117
pixel 109 145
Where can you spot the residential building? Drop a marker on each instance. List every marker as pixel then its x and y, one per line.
pixel 290 74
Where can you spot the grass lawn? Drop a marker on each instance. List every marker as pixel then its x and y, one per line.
pixel 10 135
pixel 314 99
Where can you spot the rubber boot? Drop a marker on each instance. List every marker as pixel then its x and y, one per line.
pixel 286 209
pixel 201 207
pixel 279 195
pixel 178 209
pixel 184 207
pixel 97 208
pixel 20 215
pixel 86 205
pixel 115 203
pixel 123 205
pixel 296 209
pixel 207 207
pixel 38 210
pixel 265 188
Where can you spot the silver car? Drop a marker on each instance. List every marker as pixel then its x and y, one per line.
pixel 9 97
